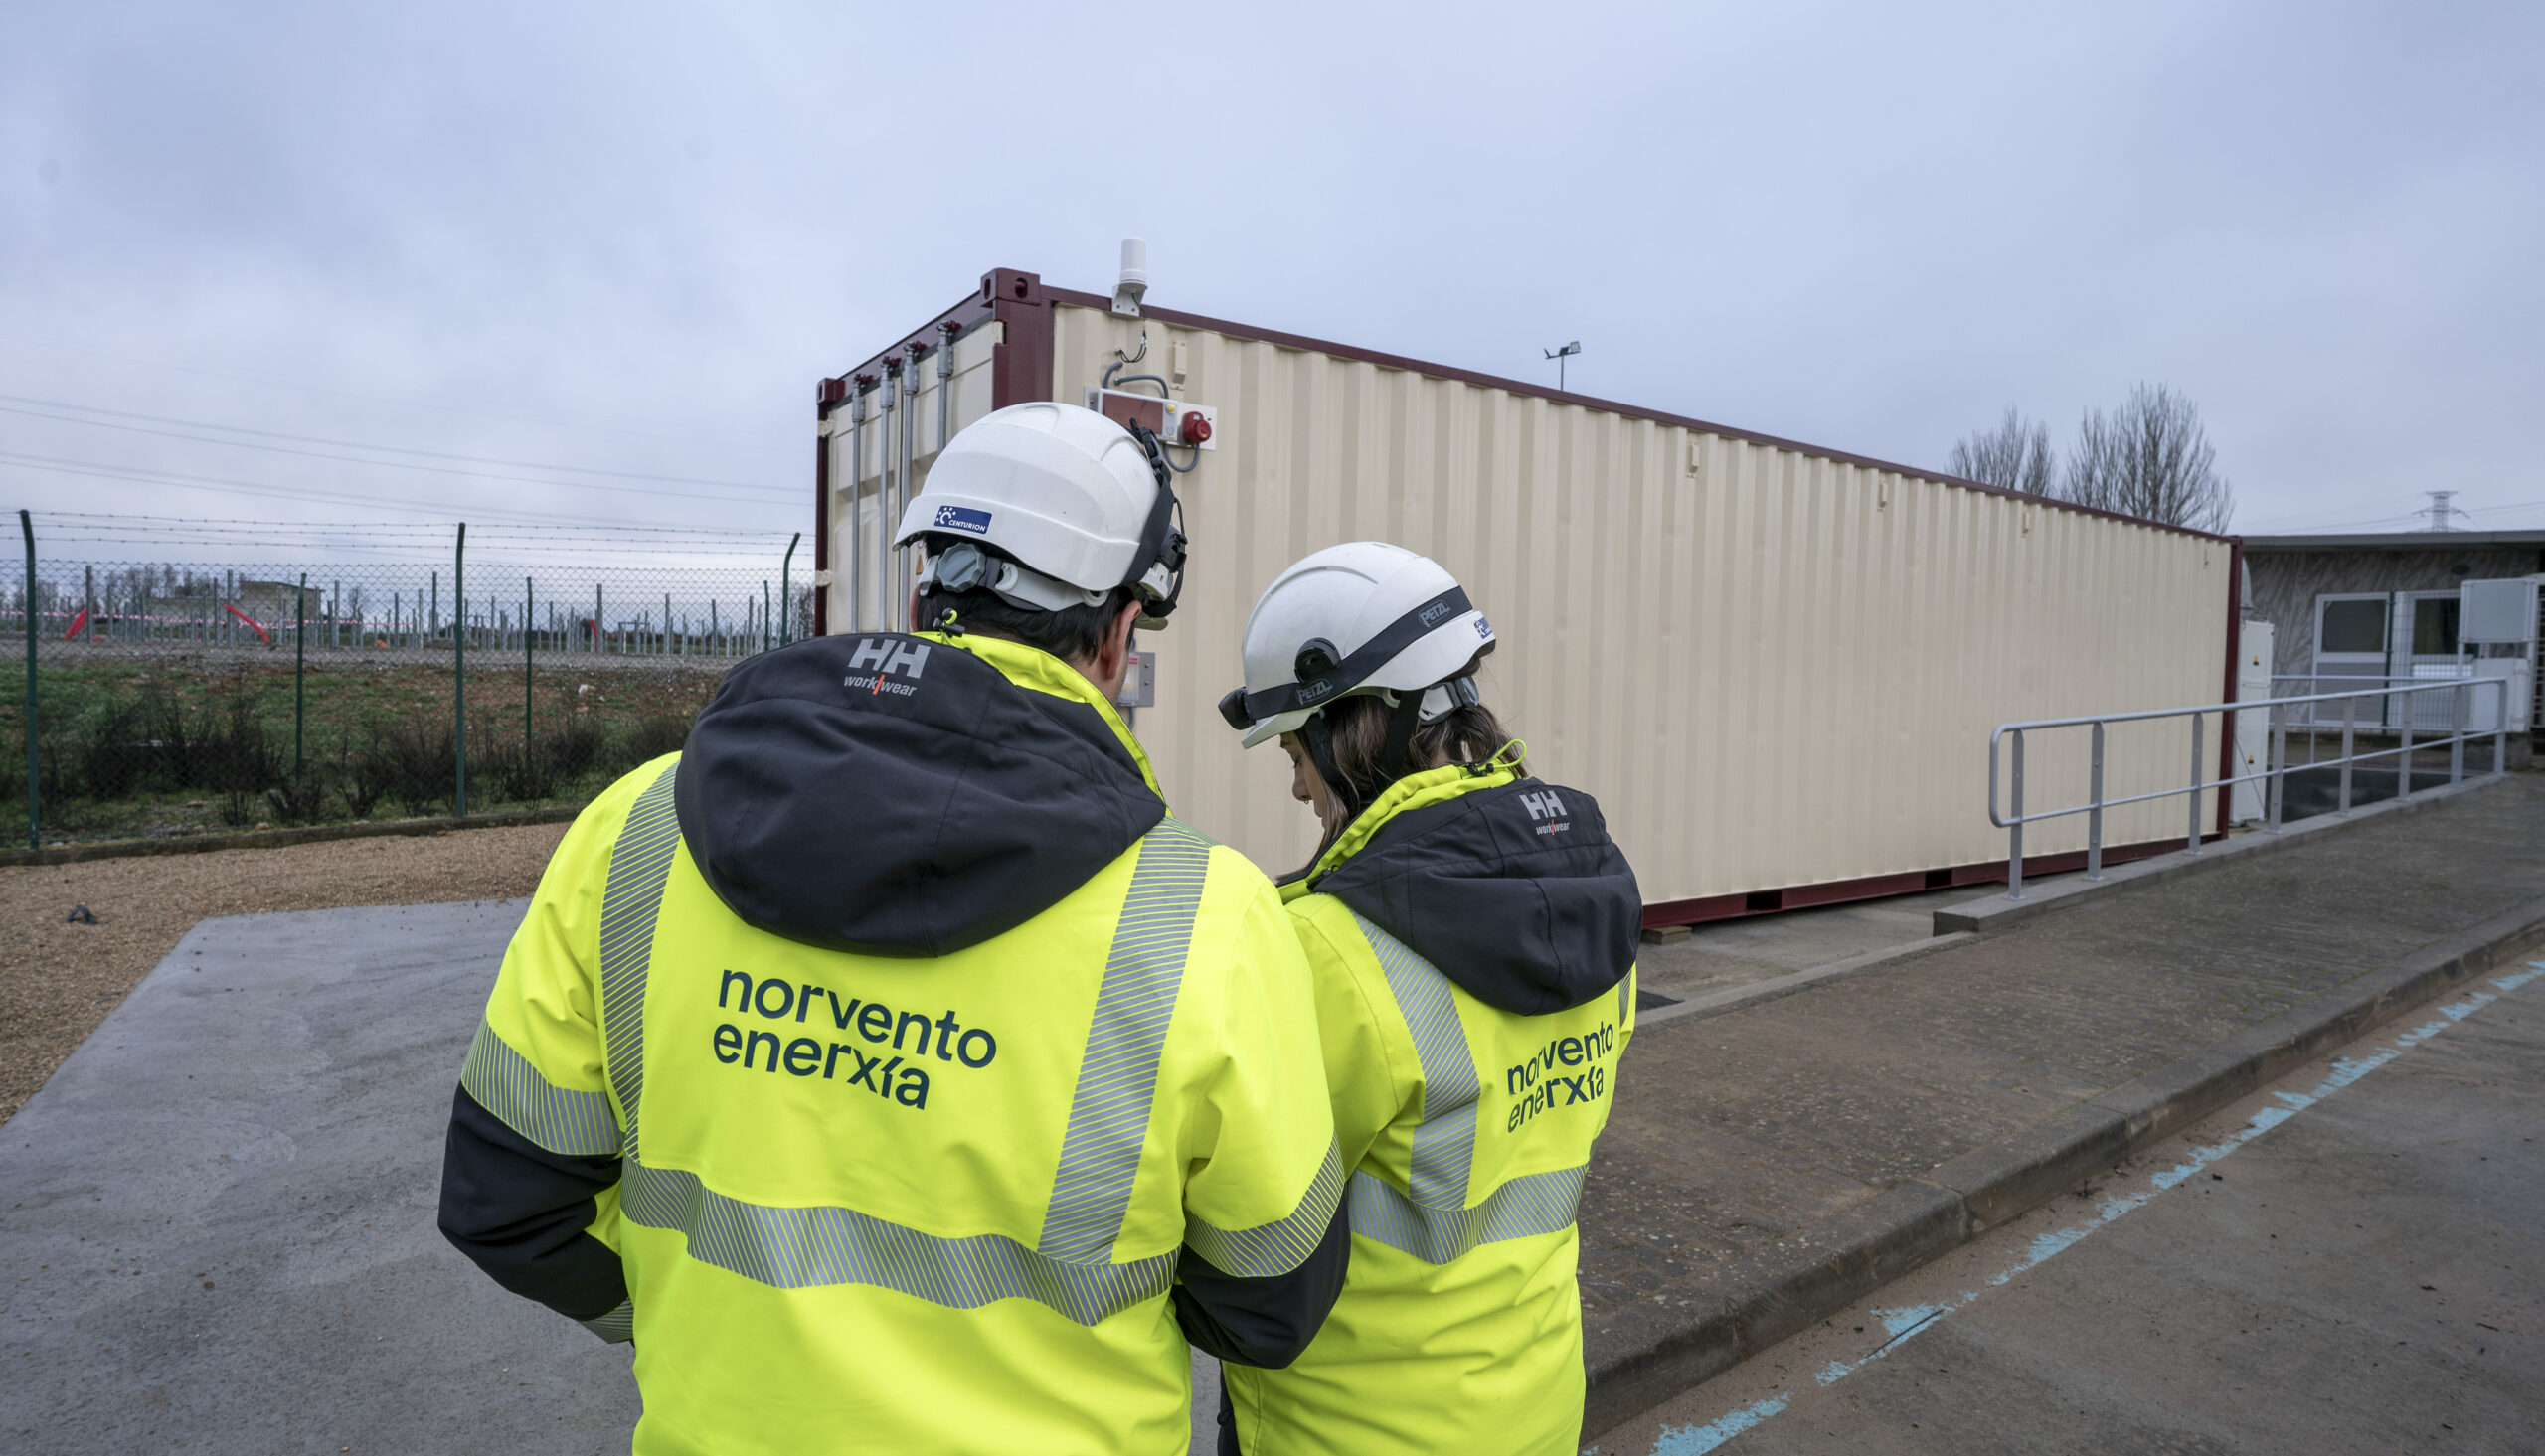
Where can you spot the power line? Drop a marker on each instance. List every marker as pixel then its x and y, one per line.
pixel 395 464
pixel 339 444
pixel 2302 524
pixel 263 527
pixel 2308 524
pixel 151 533
pixel 287 493
pixel 273 381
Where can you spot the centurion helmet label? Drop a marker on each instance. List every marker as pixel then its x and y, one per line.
pixel 963 518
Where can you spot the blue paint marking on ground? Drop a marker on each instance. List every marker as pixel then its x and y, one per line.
pixel 1903 1323
pixel 1696 1440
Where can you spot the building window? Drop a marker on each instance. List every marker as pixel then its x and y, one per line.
pixel 2354 624
pixel 2435 626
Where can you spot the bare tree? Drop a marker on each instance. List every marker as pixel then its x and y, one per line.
pixel 2013 457
pixel 2149 458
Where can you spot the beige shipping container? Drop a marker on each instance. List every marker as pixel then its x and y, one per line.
pixel 1776 667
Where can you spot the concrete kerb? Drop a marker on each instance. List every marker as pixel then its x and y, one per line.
pixel 1732 998
pixel 266 839
pixel 1995 911
pixel 1823 1269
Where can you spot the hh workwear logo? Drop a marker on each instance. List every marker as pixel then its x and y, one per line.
pixel 1545 805
pixel 890 659
pixel 963 518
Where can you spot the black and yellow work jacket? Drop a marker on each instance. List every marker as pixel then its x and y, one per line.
pixel 1472 938
pixel 900 1077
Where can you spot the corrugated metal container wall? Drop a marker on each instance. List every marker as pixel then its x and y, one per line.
pixel 852 561
pixel 1771 669
pixel 1775 669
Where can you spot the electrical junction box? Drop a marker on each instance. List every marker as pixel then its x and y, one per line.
pixel 1173 422
pixel 2496 612
pixel 1140 685
pixel 2246 801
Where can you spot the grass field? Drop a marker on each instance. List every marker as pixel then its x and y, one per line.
pixel 144 747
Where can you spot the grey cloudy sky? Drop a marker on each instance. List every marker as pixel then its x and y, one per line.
pixel 630 238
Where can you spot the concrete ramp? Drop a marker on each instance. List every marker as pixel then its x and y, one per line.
pixel 217 1219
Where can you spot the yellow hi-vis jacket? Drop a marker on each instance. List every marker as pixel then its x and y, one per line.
pixel 914 1202
pixel 1469 1126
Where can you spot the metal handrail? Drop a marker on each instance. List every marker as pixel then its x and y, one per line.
pixel 2275 773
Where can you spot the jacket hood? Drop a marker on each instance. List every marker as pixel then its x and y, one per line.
pixel 1515 890
pixel 897 795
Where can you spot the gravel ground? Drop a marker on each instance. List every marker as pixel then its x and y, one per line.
pixel 58 980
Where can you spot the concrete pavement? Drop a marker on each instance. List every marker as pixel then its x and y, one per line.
pixel 1769 1164
pixel 218 1228
pixel 1729 954
pixel 2345 1262
pixel 265 1115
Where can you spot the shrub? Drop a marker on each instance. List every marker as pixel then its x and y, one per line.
pixel 301 802
pixel 417 763
pixel 647 739
pixel 113 751
pixel 237 757
pixel 574 749
pixel 518 774
pixel 364 774
pixel 173 744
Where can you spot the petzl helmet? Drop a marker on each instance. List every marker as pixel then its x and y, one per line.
pixel 1051 506
pixel 1364 619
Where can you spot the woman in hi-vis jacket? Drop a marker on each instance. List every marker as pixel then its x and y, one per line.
pixel 1472 932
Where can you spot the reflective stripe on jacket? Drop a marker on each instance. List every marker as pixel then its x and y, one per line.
pixel 1469 1128
pixel 929 1202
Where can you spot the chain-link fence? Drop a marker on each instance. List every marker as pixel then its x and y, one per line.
pixel 179 695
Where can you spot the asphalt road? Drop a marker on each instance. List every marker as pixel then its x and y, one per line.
pixel 2345 1262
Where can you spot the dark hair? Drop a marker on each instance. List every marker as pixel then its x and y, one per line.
pixel 1358 732
pixel 1073 634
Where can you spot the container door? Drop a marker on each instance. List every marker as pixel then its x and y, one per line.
pixel 2427 624
pixel 2350 653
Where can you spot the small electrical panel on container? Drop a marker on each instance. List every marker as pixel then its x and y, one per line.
pixel 1173 422
pixel 1140 685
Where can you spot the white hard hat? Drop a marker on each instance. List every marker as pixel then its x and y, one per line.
pixel 1361 617
pixel 1069 504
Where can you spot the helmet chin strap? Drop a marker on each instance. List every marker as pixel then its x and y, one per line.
pixel 1403 719
pixel 1402 722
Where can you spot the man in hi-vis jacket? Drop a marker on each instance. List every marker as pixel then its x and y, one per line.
pixel 889 1065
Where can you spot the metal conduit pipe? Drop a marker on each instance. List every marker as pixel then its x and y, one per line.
pixel 947 333
pixel 905 488
pixel 855 557
pixel 884 517
pixel 901 581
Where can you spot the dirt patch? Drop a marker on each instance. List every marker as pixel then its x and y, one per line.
pixel 58 980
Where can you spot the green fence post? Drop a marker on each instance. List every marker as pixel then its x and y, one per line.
pixel 767 625
pixel 299 659
pixel 529 655
pixel 787 593
pixel 459 674
pixel 35 785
